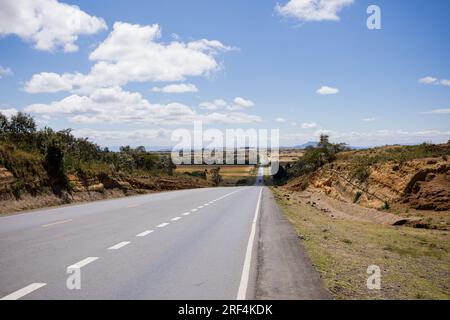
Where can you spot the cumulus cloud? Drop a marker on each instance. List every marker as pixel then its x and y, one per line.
pixel 313 10
pixel 435 81
pixel 237 104
pixel 244 103
pixel 325 90
pixel 5 72
pixel 9 112
pixel 134 53
pixel 114 105
pixel 280 120
pixel 375 138
pixel 49 82
pixel 309 125
pixel 214 105
pixel 48 24
pixel 177 88
pixel 120 136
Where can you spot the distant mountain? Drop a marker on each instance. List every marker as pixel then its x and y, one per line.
pixel 306 145
pixel 315 144
pixel 147 148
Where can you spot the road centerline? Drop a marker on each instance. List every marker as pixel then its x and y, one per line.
pixel 24 291
pixel 82 263
pixel 119 245
pixel 162 225
pixel 144 234
pixel 56 223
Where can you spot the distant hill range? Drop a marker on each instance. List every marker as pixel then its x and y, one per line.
pixel 314 144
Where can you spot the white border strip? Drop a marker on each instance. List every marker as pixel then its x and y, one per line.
pixel 242 292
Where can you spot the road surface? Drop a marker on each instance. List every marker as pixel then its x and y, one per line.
pixel 217 243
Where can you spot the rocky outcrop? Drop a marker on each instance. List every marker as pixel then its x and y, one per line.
pixel 420 184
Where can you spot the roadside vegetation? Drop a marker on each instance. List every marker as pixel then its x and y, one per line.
pixel 415 263
pixel 36 162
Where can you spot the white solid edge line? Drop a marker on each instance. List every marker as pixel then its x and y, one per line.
pixel 162 225
pixel 145 233
pixel 175 219
pixel 82 263
pixel 24 291
pixel 119 245
pixel 242 292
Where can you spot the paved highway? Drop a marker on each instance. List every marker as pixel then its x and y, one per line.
pixel 217 243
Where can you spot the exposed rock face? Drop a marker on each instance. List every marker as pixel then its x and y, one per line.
pixel 420 184
pixel 431 192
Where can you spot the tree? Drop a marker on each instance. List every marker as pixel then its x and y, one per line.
pixel 4 123
pixel 22 124
pixel 54 160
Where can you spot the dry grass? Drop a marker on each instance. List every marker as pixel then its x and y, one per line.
pixel 415 263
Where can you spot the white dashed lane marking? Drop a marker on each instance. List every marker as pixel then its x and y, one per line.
pixel 186 213
pixel 119 245
pixel 194 210
pixel 175 219
pixel 144 234
pixel 82 263
pixel 24 291
pixel 162 225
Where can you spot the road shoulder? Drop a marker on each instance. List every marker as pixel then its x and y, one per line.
pixel 284 270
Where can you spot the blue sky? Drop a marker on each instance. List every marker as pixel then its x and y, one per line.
pixel 390 85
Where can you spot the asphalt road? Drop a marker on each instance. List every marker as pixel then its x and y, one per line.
pixel 217 243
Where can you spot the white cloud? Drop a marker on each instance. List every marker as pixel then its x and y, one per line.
pixel 438 111
pixel 5 72
pixel 113 105
pixel 237 105
pixel 309 125
pixel 313 10
pixel 241 102
pixel 49 82
pixel 373 119
pixel 133 53
pixel 280 120
pixel 325 90
pixel 48 24
pixel 9 112
pixel 142 135
pixel 376 138
pixel 177 88
pixel 428 80
pixel 214 105
pixel 435 81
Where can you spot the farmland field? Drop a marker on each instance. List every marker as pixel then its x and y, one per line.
pixel 231 174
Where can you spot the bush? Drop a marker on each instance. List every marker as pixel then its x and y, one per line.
pixel 54 160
